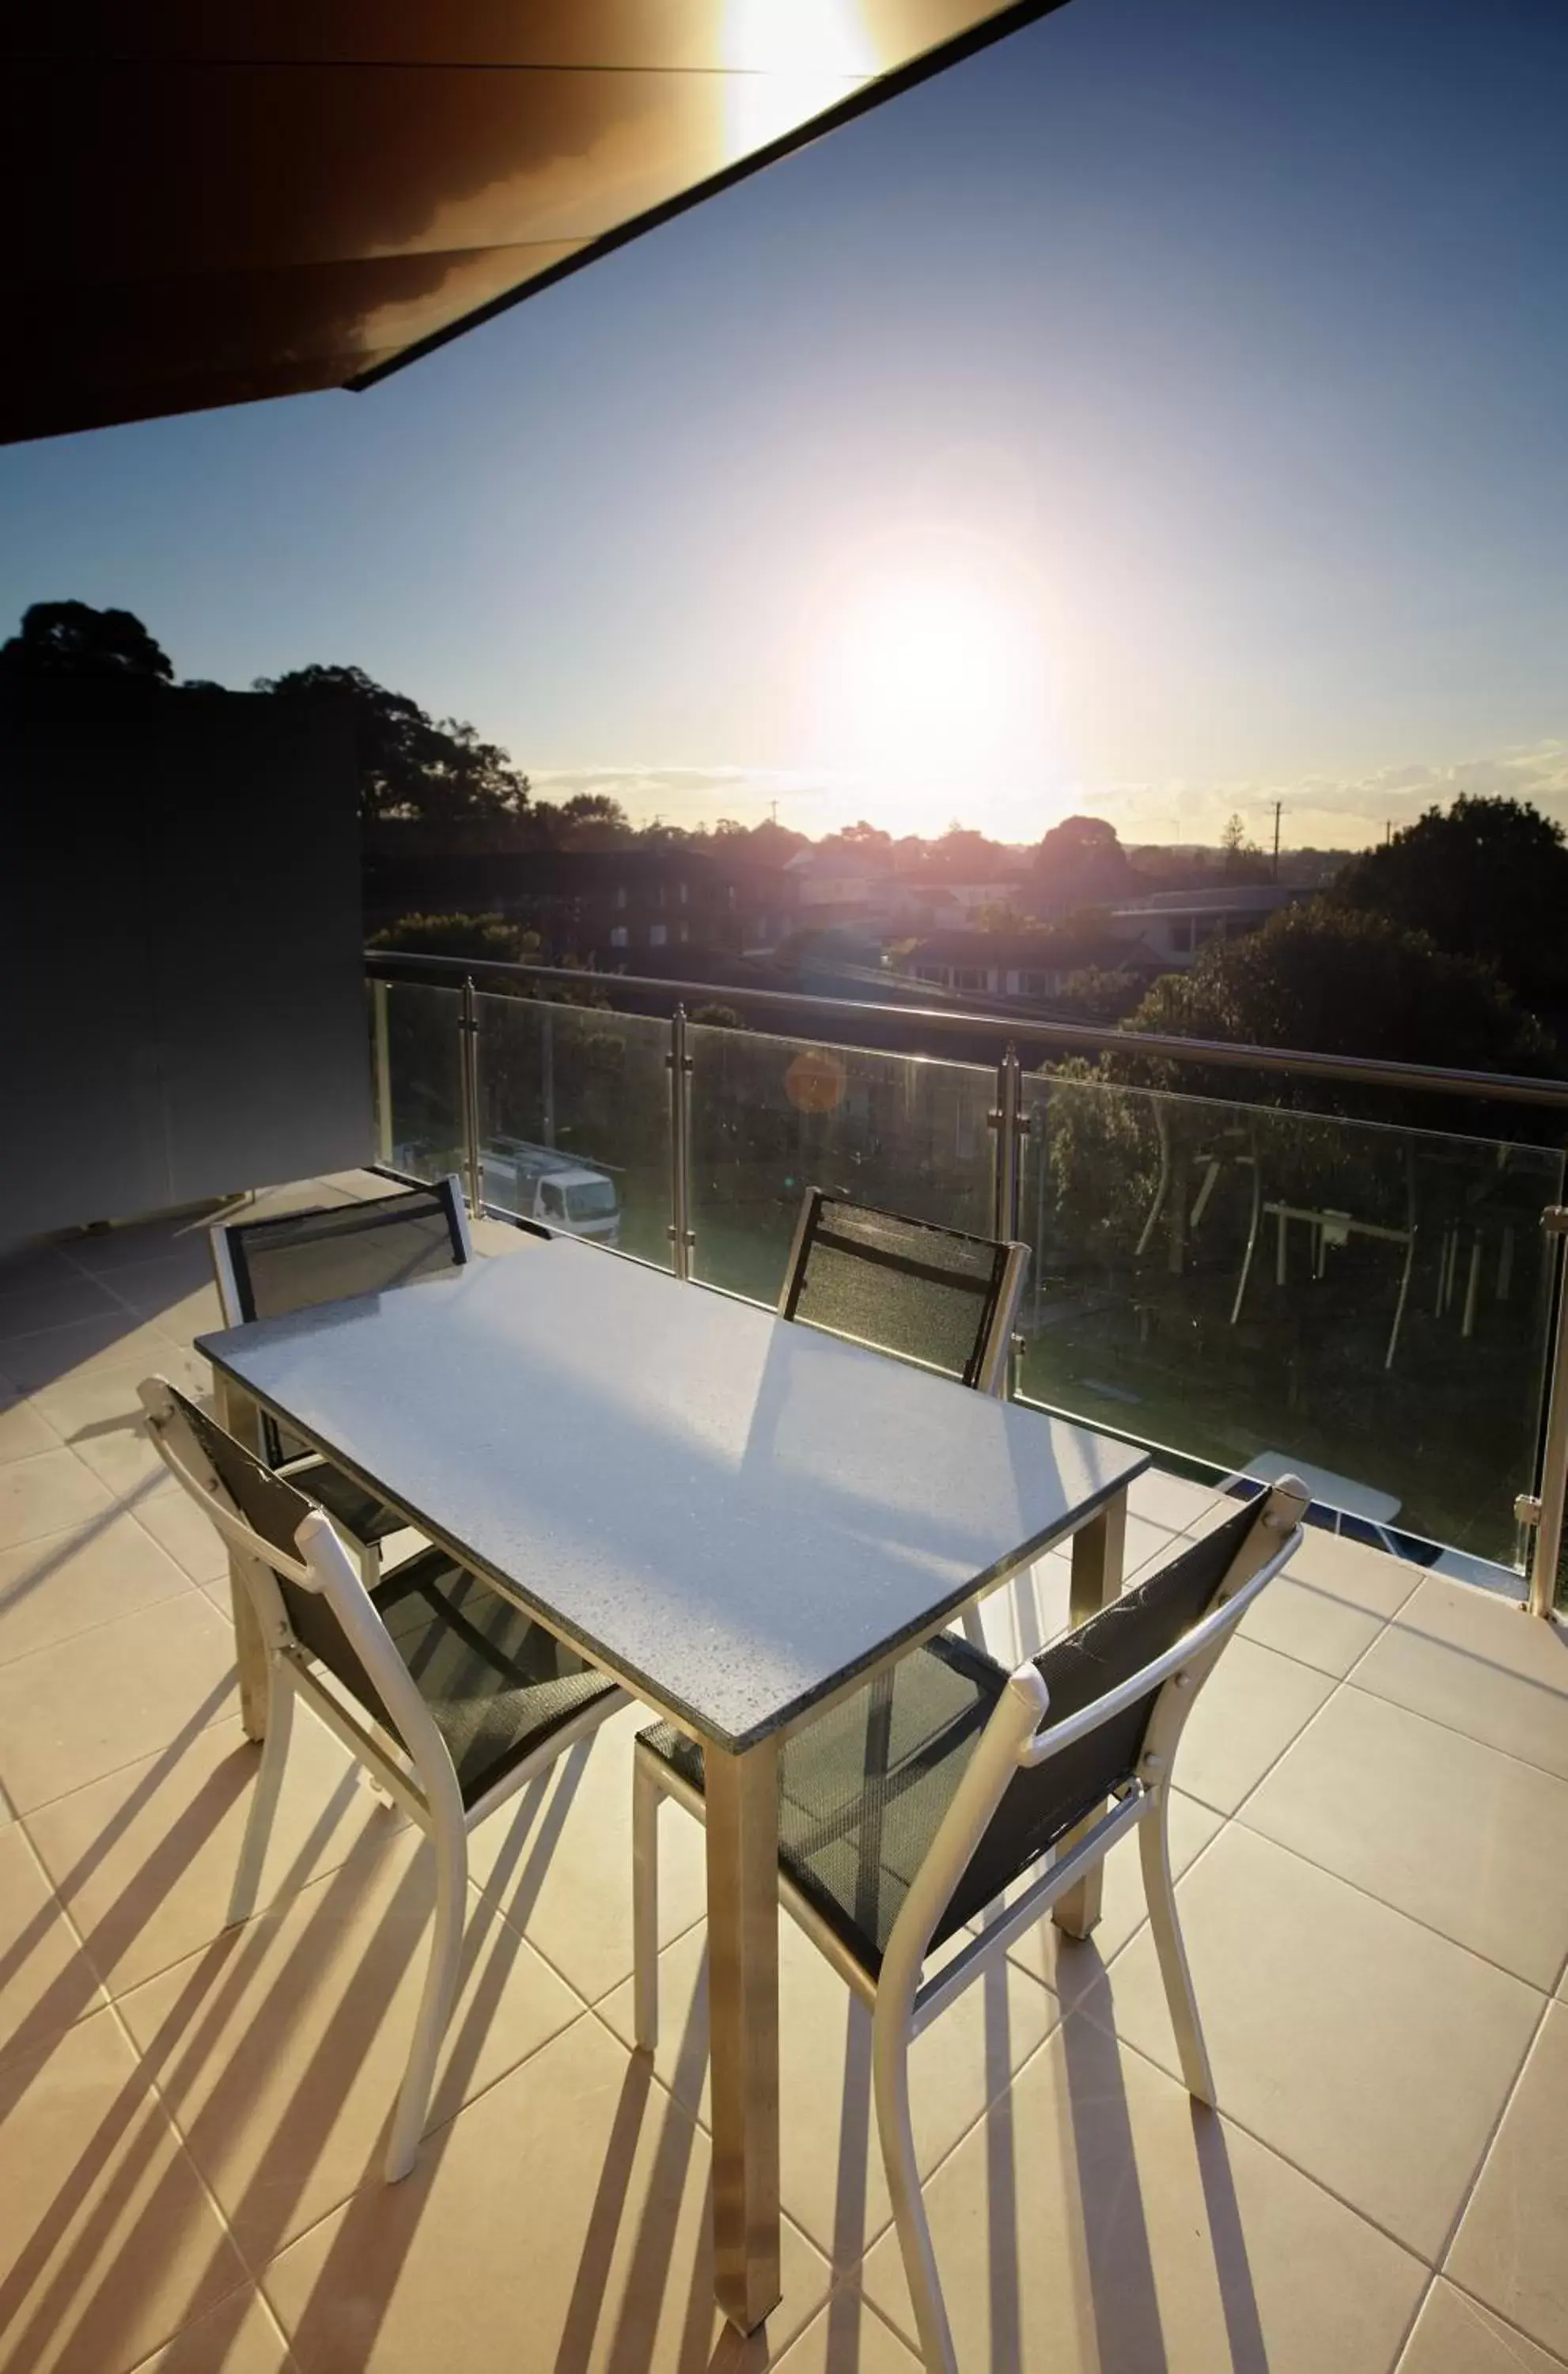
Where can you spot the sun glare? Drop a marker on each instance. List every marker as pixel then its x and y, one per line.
pixel 932 681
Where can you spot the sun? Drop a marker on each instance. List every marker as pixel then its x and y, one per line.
pixel 929 678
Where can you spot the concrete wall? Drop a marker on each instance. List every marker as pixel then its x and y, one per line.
pixel 180 919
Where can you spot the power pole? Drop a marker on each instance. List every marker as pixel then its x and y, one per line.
pixel 1278 805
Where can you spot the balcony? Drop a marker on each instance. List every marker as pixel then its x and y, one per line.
pixel 1373 1815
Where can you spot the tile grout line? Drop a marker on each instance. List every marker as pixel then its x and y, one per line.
pixel 1491 2142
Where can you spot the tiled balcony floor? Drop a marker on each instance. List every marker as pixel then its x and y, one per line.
pixel 1375 1840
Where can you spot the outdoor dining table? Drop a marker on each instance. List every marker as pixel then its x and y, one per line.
pixel 739 1519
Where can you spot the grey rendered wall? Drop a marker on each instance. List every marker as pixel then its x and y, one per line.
pixel 184 1012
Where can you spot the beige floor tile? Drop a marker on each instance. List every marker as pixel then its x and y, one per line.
pixel 39 1264
pixel 64 1583
pixel 1478 1664
pixel 70 1714
pixel 144 1859
pixel 241 2335
pixel 50 1493
pixel 1373 2053
pixel 107 2243
pixel 1022 1614
pixel 1072 1966
pixel 177 1291
pixel 46 1981
pixel 54 1353
pixel 561 2222
pixel 1330 1603
pixel 54 1302
pixel 1512 2249
pixel 1456 2335
pixel 1096 2224
pixel 1172 1501
pixel 79 1405
pixel 848 2337
pixel 1252 1706
pixel 1147 1545
pixel 280 2049
pixel 104 1251
pixel 175 1523
pixel 1470 1841
pixel 23 1431
pixel 560 1867
pixel 833 2180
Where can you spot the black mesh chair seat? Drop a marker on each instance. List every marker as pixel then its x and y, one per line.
pixel 497 1683
pixel 906 1287
pixel 347 1502
pixel 862 1792
pixel 295 1261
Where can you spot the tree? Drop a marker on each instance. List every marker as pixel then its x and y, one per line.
pixel 1324 979
pixel 1241 860
pixel 486 939
pixel 72 639
pixel 1489 880
pixel 413 770
pixel 1082 859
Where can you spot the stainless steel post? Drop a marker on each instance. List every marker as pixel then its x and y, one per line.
pixel 382 1043
pixel 468 1044
pixel 680 1064
pixel 1548 1510
pixel 1006 1123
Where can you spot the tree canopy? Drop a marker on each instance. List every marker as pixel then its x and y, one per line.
pixel 1489 878
pixel 1321 977
pixel 73 639
pixel 413 768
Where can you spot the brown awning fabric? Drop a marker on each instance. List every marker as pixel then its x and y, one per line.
pixel 215 200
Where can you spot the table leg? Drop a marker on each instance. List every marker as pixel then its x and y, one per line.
pixel 1098 1550
pixel 238 1414
pixel 742 1992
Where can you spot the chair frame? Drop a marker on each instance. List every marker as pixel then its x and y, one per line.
pixel 422 1780
pixel 233 1294
pixel 902 2002
pixel 997 1352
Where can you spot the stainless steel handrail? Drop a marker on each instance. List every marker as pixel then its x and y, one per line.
pixel 1508 1088
pixel 1543 1510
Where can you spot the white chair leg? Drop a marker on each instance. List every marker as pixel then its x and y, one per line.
pixel 975 1627
pixel 1158 1887
pixel 370 1564
pixel 436 2003
pixel 890 2080
pixel 646 1796
pixel 264 1796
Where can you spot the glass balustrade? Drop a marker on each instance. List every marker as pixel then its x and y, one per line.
pixel 1246 1288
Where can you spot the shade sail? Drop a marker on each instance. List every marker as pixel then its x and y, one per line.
pixel 213 201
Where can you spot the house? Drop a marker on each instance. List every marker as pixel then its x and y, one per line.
pixel 1022 964
pixel 1173 924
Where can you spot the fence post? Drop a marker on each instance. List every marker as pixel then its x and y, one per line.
pixel 1006 1122
pixel 381 1040
pixel 1545 1510
pixel 679 1068
pixel 468 1050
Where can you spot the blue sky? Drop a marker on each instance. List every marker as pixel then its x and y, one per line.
pixel 1161 413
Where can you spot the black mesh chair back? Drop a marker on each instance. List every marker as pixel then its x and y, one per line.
pixel 299 1258
pixel 495 1683
pixel 274 1510
pixel 932 1295
pixel 295 1259
pixel 864 1790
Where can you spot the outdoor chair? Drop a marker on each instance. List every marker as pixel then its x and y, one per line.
pixel 936 1295
pixel 931 1295
pixel 296 1260
pixel 452 1699
pixel 907 1812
